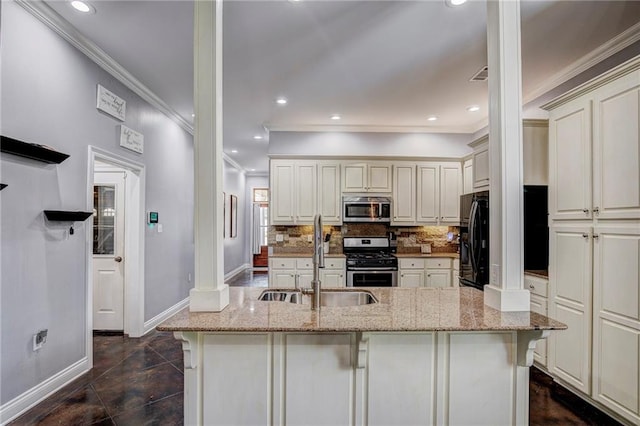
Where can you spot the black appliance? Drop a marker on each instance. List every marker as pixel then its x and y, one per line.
pixel 536 228
pixel 370 262
pixel 474 239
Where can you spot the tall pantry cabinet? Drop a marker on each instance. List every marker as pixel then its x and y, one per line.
pixel 594 211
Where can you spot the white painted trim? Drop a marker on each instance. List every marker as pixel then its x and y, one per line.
pixel 57 23
pixel 233 163
pixel 604 51
pixel 153 322
pixel 236 271
pixel 42 390
pixel 373 128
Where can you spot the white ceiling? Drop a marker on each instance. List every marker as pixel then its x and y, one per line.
pixel 382 65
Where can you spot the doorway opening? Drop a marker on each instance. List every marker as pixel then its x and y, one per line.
pixel 115 260
pixel 260 198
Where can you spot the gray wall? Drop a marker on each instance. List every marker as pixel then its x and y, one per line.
pixel 363 144
pixel 236 252
pixel 49 97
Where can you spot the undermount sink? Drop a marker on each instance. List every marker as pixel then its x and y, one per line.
pixel 327 298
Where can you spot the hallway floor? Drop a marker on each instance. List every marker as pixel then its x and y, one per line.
pixel 140 382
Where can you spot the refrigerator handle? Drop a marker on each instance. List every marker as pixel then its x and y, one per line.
pixel 472 235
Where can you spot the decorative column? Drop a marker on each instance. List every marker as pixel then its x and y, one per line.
pixel 210 293
pixel 506 281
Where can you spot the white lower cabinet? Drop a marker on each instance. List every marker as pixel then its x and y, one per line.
pixel 333 274
pixel 539 304
pixel 292 272
pixel 425 272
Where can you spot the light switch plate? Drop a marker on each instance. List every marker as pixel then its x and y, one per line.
pixel 279 238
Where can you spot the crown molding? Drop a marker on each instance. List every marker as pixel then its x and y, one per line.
pixel 62 27
pixel 369 128
pixel 233 163
pixel 604 51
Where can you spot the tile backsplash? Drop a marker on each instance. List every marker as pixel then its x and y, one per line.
pixel 297 239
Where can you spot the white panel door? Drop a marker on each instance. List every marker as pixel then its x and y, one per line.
pixel 438 278
pixel 354 177
pixel 305 185
pixel 481 168
pixel 332 278
pixel 428 206
pixel 411 278
pixel 404 194
pixel 570 285
pixel 379 176
pixel 329 201
pixel 467 177
pixel 407 359
pixel 108 251
pixel 282 206
pixel 318 376
pixel 616 149
pixel 236 360
pixel 450 189
pixel 570 193
pixel 282 278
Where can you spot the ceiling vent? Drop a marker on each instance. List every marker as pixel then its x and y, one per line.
pixel 482 75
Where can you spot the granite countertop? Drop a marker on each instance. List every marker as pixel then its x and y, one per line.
pixel 399 309
pixel 541 273
pixel 304 255
pixel 419 255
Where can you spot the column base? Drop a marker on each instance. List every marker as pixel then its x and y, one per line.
pixel 507 300
pixel 209 300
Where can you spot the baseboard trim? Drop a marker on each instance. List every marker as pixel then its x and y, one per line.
pixel 237 271
pixel 38 393
pixel 153 322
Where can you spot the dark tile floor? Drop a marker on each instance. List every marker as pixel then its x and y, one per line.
pixel 140 382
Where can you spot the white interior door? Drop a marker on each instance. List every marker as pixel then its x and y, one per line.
pixel 108 250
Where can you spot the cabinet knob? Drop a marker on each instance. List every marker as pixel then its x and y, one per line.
pixel 596 236
pixel 585 211
pixel 596 210
pixel 585 236
pixel 531 286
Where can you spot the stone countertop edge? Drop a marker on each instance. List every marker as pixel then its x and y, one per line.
pixel 305 255
pixel 398 310
pixel 421 255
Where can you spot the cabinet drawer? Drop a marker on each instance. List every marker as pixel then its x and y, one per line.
pixel 282 263
pixel 331 263
pixel 304 263
pixel 411 263
pixel 438 263
pixel 536 285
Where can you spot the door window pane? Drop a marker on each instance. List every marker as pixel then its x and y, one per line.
pixel 260 195
pixel 104 219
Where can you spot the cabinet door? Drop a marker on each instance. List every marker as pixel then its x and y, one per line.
pixel 450 188
pixel 379 177
pixel 332 278
pixel 404 194
pixel 411 278
pixel 616 149
pixel 305 189
pixel 467 177
pixel 570 161
pixel 481 167
pixel 282 278
pixel 354 177
pixel 304 278
pixel 438 278
pixel 428 206
pixel 329 202
pixel 282 206
pixel 535 152
pixel 570 285
pixel 616 334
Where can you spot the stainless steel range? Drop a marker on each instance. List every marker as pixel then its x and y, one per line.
pixel 370 262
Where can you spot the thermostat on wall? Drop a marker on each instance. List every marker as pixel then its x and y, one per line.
pixel 152 217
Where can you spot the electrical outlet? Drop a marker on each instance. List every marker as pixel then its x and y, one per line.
pixel 495 275
pixel 39 339
pixel 309 238
pixel 279 238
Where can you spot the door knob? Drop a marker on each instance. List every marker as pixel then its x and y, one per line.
pixel 118 259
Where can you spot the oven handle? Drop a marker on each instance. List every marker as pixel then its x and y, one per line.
pixel 390 268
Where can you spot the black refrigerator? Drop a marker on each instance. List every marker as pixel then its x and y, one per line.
pixel 474 239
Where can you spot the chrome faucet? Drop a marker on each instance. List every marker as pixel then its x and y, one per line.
pixel 318 262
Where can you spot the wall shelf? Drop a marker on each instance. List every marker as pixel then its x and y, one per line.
pixel 3 186
pixel 31 150
pixel 67 216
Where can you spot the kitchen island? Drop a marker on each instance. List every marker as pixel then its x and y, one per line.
pixel 418 356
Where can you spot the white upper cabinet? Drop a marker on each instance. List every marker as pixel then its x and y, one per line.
pixel 450 190
pixel 439 189
pixel 535 152
pixel 616 149
pixel 570 161
pixel 480 163
pixel 282 206
pixel 467 176
pixel 329 199
pixel 366 177
pixel 404 194
pixel 305 191
pixel 428 192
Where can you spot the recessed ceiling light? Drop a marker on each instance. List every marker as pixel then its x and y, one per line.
pixel 454 3
pixel 253 170
pixel 432 118
pixel 335 117
pixel 234 151
pixel 473 108
pixel 83 7
pixel 281 101
pixel 193 115
pixel 257 137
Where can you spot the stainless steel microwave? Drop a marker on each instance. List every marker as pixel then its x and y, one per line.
pixel 366 209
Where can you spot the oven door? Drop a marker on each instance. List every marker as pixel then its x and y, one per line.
pixel 370 277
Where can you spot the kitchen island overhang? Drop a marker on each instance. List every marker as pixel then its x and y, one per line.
pixel 419 356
